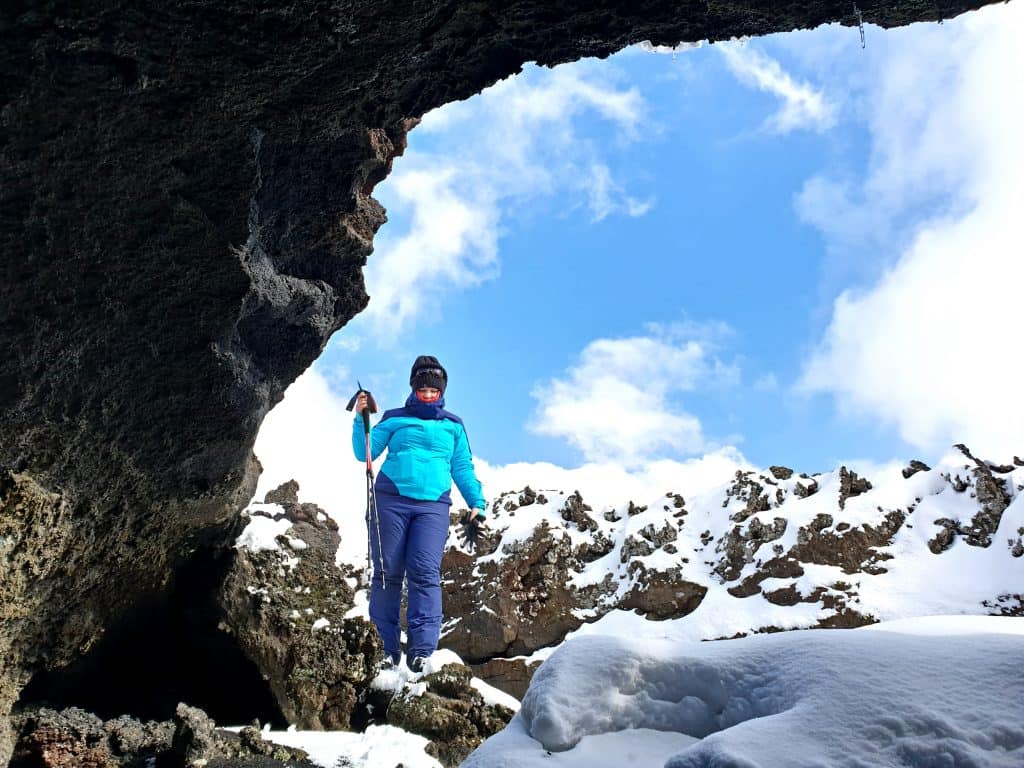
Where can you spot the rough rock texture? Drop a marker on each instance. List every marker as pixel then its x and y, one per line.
pixel 760 536
pixel 46 737
pixel 993 498
pixel 73 738
pixel 286 607
pixel 528 595
pixel 1006 605
pixel 449 712
pixel 991 493
pixel 510 675
pixel 741 544
pixel 914 467
pixel 851 485
pixel 184 211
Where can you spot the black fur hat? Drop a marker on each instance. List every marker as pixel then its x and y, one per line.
pixel 428 372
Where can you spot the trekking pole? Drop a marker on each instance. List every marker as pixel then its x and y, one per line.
pixel 371 494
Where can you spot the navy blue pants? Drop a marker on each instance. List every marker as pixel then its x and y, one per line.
pixel 412 537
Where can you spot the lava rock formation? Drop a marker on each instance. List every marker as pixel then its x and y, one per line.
pixel 185 210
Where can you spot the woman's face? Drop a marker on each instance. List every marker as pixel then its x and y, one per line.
pixel 428 394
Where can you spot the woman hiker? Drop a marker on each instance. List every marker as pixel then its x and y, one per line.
pixel 427 449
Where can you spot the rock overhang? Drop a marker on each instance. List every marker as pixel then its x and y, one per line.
pixel 186 211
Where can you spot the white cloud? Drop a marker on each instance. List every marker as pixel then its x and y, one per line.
pixel 612 484
pixel 607 197
pixel 452 241
pixel 307 437
pixel 930 347
pixel 617 404
pixel 803 106
pixel 515 143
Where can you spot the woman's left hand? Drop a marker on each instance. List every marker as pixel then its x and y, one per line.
pixel 472 527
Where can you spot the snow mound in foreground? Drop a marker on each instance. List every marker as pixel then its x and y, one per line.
pixel 906 697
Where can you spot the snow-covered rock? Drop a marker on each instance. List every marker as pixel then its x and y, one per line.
pixel 759 551
pixel 841 698
pixel 287 604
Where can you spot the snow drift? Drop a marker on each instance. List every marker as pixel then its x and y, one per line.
pixel 923 693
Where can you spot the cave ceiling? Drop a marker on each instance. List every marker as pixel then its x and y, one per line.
pixel 185 211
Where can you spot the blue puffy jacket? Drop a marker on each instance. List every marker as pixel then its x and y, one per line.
pixel 427 449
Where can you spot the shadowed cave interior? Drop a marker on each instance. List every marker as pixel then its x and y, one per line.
pixel 168 650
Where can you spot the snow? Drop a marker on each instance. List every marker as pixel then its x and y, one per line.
pixel 493 696
pixel 950 625
pixel 637 747
pixel 261 533
pixel 914 582
pixel 379 745
pixel 933 692
pixel 321 623
pixel 915 693
pixel 402 680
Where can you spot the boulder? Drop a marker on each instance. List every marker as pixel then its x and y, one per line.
pixel 176 260
pixel 914 467
pixel 74 738
pixel 287 609
pixel 443 706
pixel 850 485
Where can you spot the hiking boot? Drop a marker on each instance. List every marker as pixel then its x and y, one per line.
pixel 417 664
pixel 389 664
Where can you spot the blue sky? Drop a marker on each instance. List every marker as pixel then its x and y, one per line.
pixel 789 246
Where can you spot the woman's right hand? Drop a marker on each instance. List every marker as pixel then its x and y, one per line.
pixel 361 402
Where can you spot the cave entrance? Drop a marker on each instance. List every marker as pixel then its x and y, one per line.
pixel 169 650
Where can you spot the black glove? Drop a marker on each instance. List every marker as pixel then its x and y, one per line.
pixel 371 404
pixel 471 531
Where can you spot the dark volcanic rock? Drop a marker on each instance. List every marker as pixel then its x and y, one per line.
pixel 914 467
pixel 991 493
pixel 662 594
pixel 451 713
pixel 746 489
pixel 943 540
pixel 510 675
pixel 529 601
pixel 286 493
pixel 576 511
pixel 1006 605
pixel 186 197
pixel 194 735
pixel 286 608
pixel 852 550
pixel 993 499
pixel 74 738
pixel 740 545
pixel 806 487
pixel 1017 544
pixel 850 485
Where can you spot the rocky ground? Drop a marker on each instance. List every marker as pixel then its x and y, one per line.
pixel 187 208
pixel 47 738
pixel 292 610
pixel 778 549
pixel 287 605
pixel 767 540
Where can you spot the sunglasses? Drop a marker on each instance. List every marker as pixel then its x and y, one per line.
pixel 430 372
